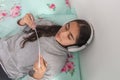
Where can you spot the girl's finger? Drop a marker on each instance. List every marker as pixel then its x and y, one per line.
pixel 31 22
pixel 43 62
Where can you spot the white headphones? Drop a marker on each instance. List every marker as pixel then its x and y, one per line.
pixel 77 48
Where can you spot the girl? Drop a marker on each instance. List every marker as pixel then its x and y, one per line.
pixel 18 53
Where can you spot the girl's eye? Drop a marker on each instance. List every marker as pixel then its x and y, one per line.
pixel 69 37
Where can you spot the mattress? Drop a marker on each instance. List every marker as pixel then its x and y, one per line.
pixel 8 27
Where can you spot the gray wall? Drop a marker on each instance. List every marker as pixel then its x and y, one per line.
pixel 101 60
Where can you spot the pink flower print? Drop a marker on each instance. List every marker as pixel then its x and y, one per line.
pixel 15 11
pixel 3 14
pixel 70 65
pixel 64 69
pixel 68 3
pixel 52 6
pixel 70 56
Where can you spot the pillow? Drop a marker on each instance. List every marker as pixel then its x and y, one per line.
pixel 38 7
pixel 57 11
pixel 9 14
pixel 60 19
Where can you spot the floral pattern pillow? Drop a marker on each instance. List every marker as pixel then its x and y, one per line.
pixel 69 65
pixel 38 7
pixel 9 8
pixel 57 11
pixel 13 8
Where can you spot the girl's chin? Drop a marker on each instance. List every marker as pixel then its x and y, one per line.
pixel 56 36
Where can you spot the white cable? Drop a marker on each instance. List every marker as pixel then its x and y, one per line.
pixel 38 48
pixel 37 42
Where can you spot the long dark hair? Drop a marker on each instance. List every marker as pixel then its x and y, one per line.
pixel 85 32
pixel 47 31
pixel 42 30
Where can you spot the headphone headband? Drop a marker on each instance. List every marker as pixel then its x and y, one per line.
pixel 76 48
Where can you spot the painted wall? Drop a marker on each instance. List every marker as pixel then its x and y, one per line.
pixel 101 60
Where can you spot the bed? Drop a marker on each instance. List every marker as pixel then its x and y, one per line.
pixel 11 11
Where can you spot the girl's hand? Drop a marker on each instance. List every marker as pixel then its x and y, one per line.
pixel 28 19
pixel 39 70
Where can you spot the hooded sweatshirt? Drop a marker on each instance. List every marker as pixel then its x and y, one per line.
pixel 17 61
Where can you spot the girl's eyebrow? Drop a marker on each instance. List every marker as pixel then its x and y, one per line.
pixel 70 32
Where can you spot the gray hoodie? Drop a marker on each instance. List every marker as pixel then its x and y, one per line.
pixel 17 61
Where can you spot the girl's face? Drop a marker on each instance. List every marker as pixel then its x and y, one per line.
pixel 68 34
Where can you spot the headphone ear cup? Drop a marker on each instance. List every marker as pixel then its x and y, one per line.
pixel 76 48
pixel 92 34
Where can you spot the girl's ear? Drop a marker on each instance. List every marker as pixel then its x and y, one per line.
pixel 77 48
